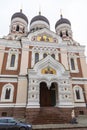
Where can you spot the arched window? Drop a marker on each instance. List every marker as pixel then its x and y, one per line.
pixel 23 30
pixel 53 56
pixel 17 28
pixel 78 94
pixel 44 55
pixel 7 93
pixel 61 34
pixel 36 57
pixel 72 64
pixel 67 33
pixel 12 63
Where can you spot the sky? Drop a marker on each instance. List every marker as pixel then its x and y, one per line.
pixel 73 10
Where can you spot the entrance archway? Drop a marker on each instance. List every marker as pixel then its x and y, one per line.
pixel 48 96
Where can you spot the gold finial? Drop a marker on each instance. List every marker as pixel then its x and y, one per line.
pixel 61 13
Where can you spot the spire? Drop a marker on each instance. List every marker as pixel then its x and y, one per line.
pixel 21 8
pixel 61 16
pixel 39 10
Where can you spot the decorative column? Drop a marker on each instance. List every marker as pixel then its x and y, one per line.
pixel 33 94
pixel 65 93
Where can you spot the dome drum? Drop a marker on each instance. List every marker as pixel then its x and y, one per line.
pixel 37 25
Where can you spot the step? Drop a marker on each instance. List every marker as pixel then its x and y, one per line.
pixel 59 126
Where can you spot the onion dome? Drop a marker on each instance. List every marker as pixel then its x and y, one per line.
pixel 19 15
pixel 39 22
pixel 39 17
pixel 63 27
pixel 62 21
pixel 19 24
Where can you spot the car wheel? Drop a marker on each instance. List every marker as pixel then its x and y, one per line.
pixel 22 128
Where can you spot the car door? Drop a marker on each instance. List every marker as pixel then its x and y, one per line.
pixel 3 124
pixel 12 125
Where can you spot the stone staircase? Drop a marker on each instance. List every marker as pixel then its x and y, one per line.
pixel 82 119
pixel 48 115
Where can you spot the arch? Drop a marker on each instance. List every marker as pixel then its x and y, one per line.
pixel 48 96
pixel 7 92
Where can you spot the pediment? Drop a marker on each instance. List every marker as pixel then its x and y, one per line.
pixel 44 35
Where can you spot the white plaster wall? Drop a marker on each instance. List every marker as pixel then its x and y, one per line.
pixel 64 58
pixel 2 48
pixel 22 91
pixel 83 65
pixel 24 60
pixel 85 89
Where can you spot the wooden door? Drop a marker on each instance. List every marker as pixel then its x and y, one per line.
pixel 45 99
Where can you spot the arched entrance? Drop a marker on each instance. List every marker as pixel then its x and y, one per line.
pixel 48 96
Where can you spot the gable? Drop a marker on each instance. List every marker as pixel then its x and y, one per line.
pixel 43 35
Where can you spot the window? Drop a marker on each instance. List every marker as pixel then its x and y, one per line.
pixel 12 60
pixel 81 112
pixel 36 57
pixel 4 114
pixel 61 34
pixel 23 30
pixel 78 94
pixel 72 64
pixel 67 33
pixel 17 28
pixel 44 55
pixel 53 56
pixel 7 93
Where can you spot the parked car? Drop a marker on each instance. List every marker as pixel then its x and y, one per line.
pixel 9 123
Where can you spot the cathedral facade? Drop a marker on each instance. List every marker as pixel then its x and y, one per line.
pixel 41 70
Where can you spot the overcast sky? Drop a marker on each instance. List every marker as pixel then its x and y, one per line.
pixel 74 10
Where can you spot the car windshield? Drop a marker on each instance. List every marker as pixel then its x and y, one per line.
pixel 12 121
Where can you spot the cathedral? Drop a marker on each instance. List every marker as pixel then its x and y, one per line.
pixel 43 74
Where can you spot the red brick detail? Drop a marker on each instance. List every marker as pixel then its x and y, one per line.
pixel 10 72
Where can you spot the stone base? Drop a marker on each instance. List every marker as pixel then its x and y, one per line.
pixel 43 115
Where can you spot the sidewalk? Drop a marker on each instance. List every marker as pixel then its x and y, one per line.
pixel 82 124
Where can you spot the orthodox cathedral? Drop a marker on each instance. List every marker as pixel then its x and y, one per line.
pixel 43 74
